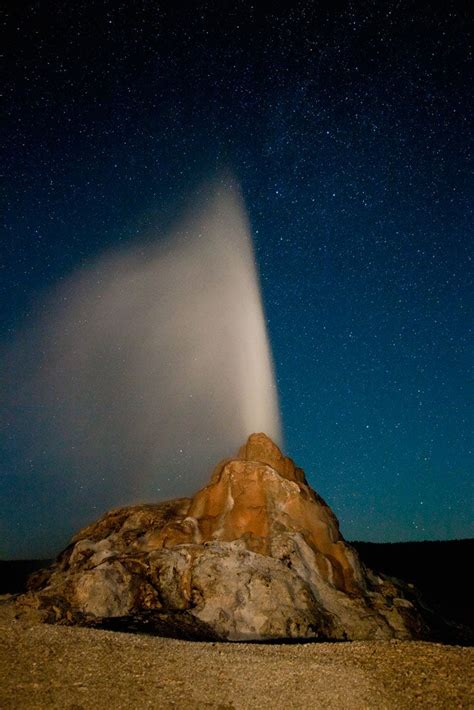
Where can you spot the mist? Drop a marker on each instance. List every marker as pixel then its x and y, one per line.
pixel 140 372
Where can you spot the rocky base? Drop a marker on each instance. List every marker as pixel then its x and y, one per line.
pixel 255 555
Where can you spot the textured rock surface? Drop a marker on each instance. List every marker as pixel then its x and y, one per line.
pixel 256 554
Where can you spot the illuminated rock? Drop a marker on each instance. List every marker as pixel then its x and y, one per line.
pixel 256 554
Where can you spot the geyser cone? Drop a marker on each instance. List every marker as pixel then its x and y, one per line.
pixel 255 554
pixel 148 366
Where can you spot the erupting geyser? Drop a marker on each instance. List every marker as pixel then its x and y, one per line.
pixel 147 366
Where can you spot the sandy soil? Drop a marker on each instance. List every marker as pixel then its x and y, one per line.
pixel 58 667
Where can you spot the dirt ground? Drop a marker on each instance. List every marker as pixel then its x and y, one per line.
pixel 76 668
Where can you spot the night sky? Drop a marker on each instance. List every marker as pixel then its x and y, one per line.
pixel 349 129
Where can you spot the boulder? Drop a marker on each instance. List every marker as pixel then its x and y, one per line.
pixel 254 555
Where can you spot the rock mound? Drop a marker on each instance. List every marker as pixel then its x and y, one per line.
pixel 256 554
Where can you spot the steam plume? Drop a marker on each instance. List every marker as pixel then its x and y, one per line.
pixel 149 366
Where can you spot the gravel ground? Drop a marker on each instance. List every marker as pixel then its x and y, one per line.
pixel 76 668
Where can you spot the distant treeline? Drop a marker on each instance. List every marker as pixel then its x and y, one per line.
pixel 14 574
pixel 440 571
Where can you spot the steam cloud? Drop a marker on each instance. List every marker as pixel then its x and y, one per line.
pixel 149 366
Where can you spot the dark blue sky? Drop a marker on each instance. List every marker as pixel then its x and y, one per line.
pixel 349 127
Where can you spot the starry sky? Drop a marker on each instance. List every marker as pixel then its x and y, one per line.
pixel 349 128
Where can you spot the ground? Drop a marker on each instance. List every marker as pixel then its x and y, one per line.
pixel 75 668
